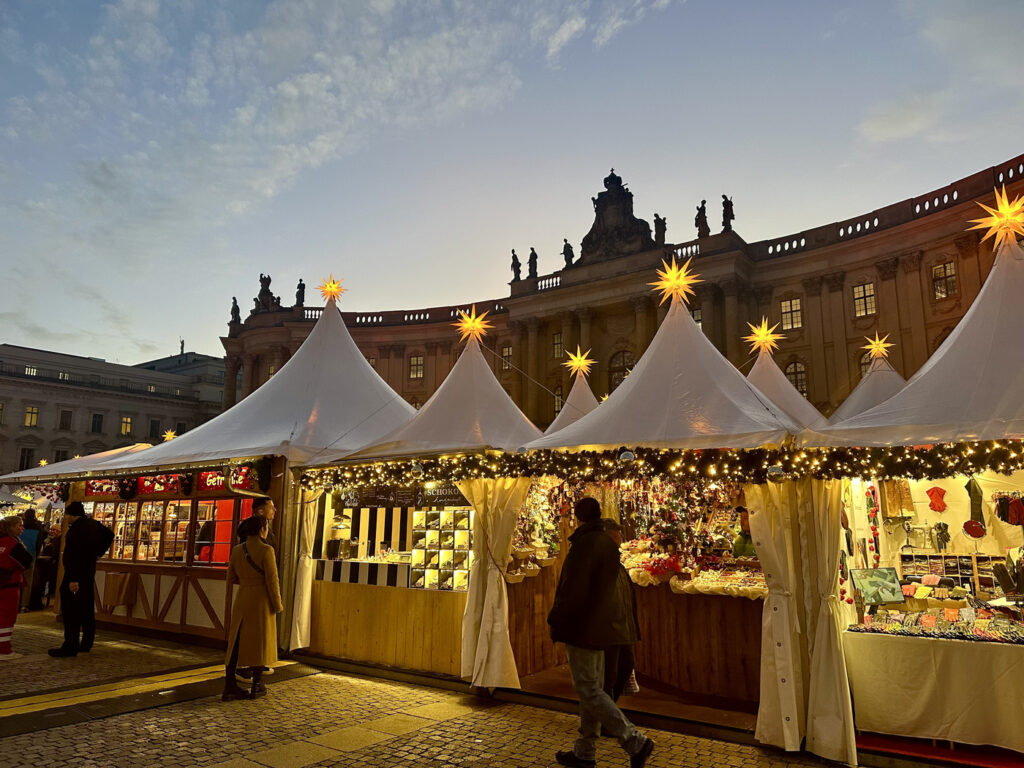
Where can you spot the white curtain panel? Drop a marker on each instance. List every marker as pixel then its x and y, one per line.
pixel 780 716
pixel 302 604
pixel 487 660
pixel 830 729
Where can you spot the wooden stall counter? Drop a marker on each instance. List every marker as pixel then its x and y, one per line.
pixel 412 629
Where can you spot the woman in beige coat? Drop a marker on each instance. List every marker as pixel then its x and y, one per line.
pixel 252 635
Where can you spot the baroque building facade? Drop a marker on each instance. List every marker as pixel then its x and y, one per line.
pixel 909 270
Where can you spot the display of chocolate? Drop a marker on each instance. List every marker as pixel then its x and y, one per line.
pixel 973 622
pixel 441 549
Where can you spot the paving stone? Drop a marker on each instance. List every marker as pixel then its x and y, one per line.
pixel 238 762
pixel 349 739
pixel 295 755
pixel 398 724
pixel 444 710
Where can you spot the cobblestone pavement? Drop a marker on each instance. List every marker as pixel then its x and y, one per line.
pixel 333 719
pixel 115 655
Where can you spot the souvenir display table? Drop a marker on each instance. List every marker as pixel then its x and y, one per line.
pixel 953 690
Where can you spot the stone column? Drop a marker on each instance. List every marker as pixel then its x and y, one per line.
pixel 399 371
pixel 248 373
pixel 569 342
pixel 444 362
pixel 279 359
pixel 814 327
pixel 841 387
pixel 915 337
pixel 231 366
pixel 763 299
pixel 707 300
pixel 518 330
pixel 732 342
pixel 641 328
pixel 584 315
pixel 430 367
pixel 888 304
pixel 532 353
pixel 968 268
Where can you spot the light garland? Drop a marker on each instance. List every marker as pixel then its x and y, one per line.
pixel 752 466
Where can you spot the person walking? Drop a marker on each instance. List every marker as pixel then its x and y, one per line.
pixel 45 580
pixel 85 542
pixel 252 634
pixel 592 612
pixel 32 537
pixel 14 559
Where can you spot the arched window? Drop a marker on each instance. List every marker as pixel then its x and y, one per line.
pixel 865 364
pixel 796 372
pixel 619 366
pixel 559 402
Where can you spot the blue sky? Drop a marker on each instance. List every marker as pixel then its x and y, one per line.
pixel 156 157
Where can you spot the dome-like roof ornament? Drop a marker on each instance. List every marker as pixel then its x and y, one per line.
pixel 612 180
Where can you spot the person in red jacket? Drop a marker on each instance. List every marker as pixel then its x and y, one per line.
pixel 14 559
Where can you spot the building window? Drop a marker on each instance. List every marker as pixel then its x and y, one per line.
pixel 416 367
pixel 556 346
pixel 60 454
pixel 865 364
pixel 792 315
pixel 177 392
pixel 372 361
pixel 63 376
pixel 698 317
pixel 64 420
pixel 559 402
pixel 26 458
pixel 97 424
pixel 180 428
pixel 154 429
pixel 944 280
pixel 31 416
pixel 272 370
pixel 30 370
pixel 618 368
pixel 151 388
pixel 864 300
pixel 796 372
pixel 506 357
pixel 126 426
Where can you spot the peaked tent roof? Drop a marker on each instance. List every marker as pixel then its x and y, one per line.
pixel 971 388
pixel 469 412
pixel 578 404
pixel 877 385
pixel 326 397
pixel 681 394
pixel 769 379
pixel 73 467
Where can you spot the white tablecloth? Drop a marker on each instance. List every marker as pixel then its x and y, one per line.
pixel 954 690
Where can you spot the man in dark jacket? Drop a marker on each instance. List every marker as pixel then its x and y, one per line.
pixel 593 612
pixel 84 543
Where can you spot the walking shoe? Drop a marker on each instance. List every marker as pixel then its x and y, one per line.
pixel 61 652
pixel 243 675
pixel 233 693
pixel 10 656
pixel 568 757
pixel 258 691
pixel 639 760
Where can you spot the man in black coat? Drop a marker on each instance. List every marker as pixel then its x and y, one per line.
pixel 592 613
pixel 85 542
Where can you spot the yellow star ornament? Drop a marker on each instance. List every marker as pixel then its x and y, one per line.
pixel 43 462
pixel 330 288
pixel 472 326
pixel 675 281
pixel 169 435
pixel 579 362
pixel 878 347
pixel 1005 222
pixel 762 337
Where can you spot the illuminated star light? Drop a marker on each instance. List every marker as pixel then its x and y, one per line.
pixel 169 435
pixel 330 288
pixel 675 281
pixel 763 338
pixel 43 462
pixel 579 362
pixel 1006 222
pixel 877 346
pixel 471 325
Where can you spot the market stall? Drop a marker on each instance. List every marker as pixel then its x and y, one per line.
pixel 880 382
pixel 772 382
pixel 934 555
pixel 435 550
pixel 175 507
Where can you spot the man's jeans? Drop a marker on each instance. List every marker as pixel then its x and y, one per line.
pixel 596 707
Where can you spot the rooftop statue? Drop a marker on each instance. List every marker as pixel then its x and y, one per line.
pixel 615 231
pixel 517 268
pixel 567 252
pixel 660 225
pixel 727 214
pixel 700 221
pixel 532 264
pixel 236 316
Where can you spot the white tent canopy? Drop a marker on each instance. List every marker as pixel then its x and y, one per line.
pixel 73 467
pixel 879 384
pixel 681 394
pixel 971 388
pixel 326 397
pixel 580 402
pixel 469 412
pixel 769 379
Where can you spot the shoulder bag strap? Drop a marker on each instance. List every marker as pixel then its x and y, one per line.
pixel 249 560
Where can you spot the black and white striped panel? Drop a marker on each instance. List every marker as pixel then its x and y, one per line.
pixel 379 524
pixel 352 572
